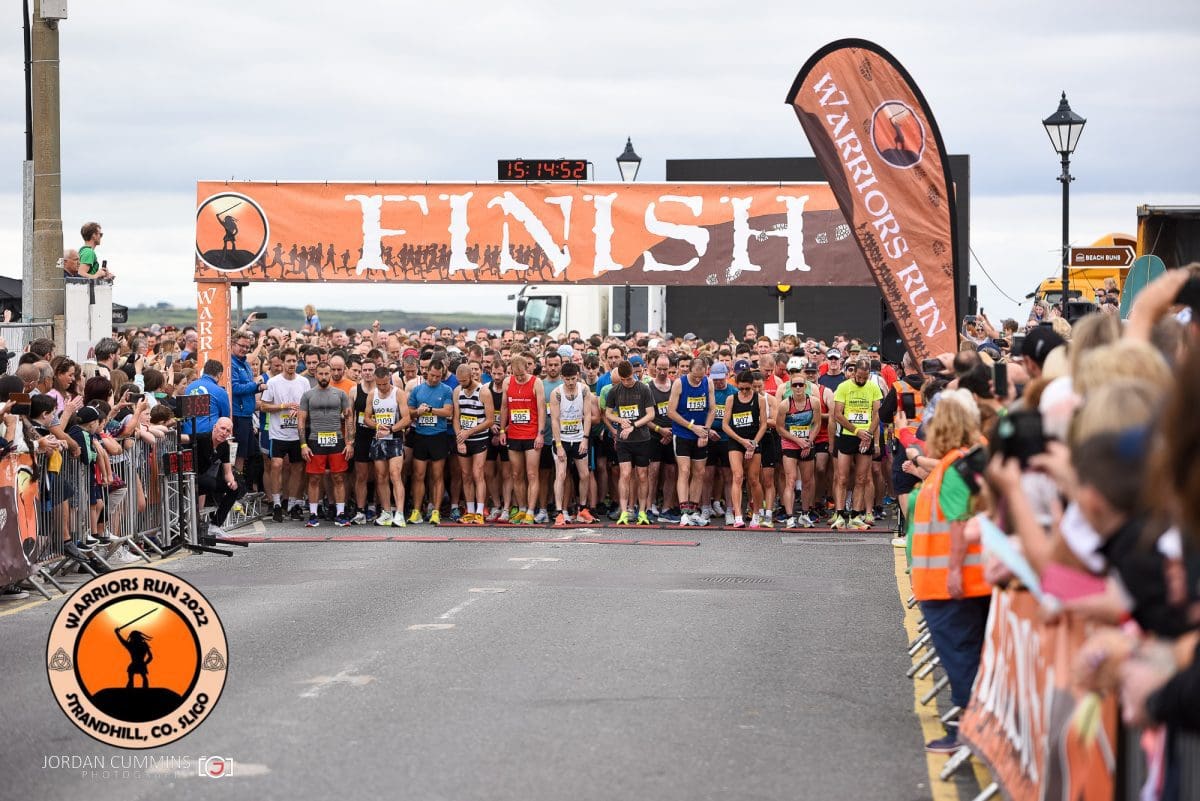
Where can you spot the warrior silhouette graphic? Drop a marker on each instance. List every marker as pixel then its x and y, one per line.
pixel 139 656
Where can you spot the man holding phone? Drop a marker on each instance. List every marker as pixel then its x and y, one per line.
pixel 246 386
pixel 904 398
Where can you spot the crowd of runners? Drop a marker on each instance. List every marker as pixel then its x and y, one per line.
pixel 398 428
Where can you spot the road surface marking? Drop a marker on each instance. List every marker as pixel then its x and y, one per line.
pixel 431 627
pixel 488 589
pixel 452 612
pixel 531 561
pixel 321 683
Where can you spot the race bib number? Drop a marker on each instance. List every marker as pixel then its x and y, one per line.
pixel 743 419
pixel 467 421
pixel 720 413
pixel 520 416
pixel 629 412
pixel 385 419
pixel 798 430
pixel 362 420
pixel 571 426
pixel 696 403
pixel 662 409
pixel 287 420
pixel 427 420
pixel 860 419
pixel 327 439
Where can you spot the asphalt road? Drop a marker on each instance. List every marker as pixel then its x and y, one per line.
pixel 743 668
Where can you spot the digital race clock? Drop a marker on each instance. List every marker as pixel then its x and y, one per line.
pixel 541 170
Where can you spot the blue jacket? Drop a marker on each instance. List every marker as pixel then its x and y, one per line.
pixel 219 407
pixel 244 387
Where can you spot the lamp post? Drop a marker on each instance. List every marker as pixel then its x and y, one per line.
pixel 781 292
pixel 1064 127
pixel 628 162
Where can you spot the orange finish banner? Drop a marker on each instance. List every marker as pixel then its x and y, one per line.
pixel 655 234
pixel 880 148
pixel 1019 720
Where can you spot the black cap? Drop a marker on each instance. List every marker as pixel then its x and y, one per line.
pixel 87 415
pixel 1039 342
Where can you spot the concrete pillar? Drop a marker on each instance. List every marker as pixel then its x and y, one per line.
pixel 47 293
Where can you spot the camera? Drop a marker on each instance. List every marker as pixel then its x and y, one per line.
pixel 971 467
pixel 1019 435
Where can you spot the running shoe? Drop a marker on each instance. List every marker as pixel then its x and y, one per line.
pixel 790 523
pixel 341 521
pixel 623 519
pixel 516 516
pixel 943 745
pixel 729 518
pixel 560 520
pixel 435 518
pixel 858 523
pixel 739 522
pixel 804 521
pixel 868 518
pixel 456 515
pixel 359 519
pixel 668 516
pixel 685 520
pixel 704 519
pixel 297 512
pixel 888 500
pixel 496 516
pixel 398 519
pixel 385 519
pixel 527 519
pixel 755 521
pixel 768 518
pixel 313 521
pixel 277 513
pixel 899 542
pixel 838 521
pixel 415 518
pixel 585 516
pixel 643 519
pixel 371 516
pixel 542 517
pixel 718 508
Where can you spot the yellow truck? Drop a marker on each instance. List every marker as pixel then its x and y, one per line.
pixel 1084 281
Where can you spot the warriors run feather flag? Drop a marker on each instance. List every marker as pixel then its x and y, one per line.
pixel 881 151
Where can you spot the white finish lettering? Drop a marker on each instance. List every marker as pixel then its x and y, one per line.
pixel 695 235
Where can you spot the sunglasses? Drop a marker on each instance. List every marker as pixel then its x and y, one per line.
pixel 797 383
pixel 834 358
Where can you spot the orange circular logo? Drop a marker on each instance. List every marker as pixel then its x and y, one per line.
pixel 137 658
pixel 231 231
pixel 898 134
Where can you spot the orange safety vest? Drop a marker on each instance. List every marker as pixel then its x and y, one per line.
pixel 931 543
pixel 903 387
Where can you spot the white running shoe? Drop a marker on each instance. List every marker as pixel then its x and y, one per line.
pixel 703 519
pixel 685 519
pixel 125 556
pixel 768 517
pixel 729 518
pixel 718 508
pixel 791 523
pixel 804 521
pixel 385 518
pixel 755 521
pixel 358 520
pixel 542 516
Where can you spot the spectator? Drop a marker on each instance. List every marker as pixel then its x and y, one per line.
pixel 215 479
pixel 90 265
pixel 208 384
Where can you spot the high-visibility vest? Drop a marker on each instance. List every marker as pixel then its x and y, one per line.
pixel 901 388
pixel 931 543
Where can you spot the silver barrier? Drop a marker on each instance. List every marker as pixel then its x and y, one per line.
pixel 18 335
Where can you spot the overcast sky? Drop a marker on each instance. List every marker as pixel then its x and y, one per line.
pixel 158 95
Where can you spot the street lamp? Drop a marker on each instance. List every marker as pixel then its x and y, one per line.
pixel 781 292
pixel 628 162
pixel 1064 127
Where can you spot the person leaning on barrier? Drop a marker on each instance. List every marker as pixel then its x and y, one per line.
pixel 947 571
pixel 214 473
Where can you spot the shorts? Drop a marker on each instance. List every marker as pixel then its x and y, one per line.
pixel 902 482
pixel 386 449
pixel 690 449
pixel 474 446
pixel 718 452
pixel 636 452
pixel 547 460
pixel 663 452
pixel 849 446
pixel 96 494
pixel 334 462
pixel 770 448
pixel 799 456
pixel 430 447
pixel 243 434
pixel 286 447
pixel 572 449
pixel 520 445
pixel 497 453
pixel 362 445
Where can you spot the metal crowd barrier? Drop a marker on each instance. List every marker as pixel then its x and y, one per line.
pixel 143 515
pixel 18 335
pixel 1183 758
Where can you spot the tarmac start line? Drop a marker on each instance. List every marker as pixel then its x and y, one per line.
pixel 385 538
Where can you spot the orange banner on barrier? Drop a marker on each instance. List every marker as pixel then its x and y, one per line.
pixel 879 146
pixel 1019 720
pixel 655 234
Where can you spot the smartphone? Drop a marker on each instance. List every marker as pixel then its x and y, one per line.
pixel 1000 379
pixel 908 402
pixel 260 315
pixel 932 366
pixel 20 403
pixel 971 467
pixel 1019 435
pixel 969 319
pixel 1018 342
pixel 1189 295
pixel 133 397
pixel 170 359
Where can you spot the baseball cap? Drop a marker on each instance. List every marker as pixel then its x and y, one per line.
pixel 740 365
pixel 410 352
pixel 794 364
pixel 637 361
pixel 87 415
pixel 566 351
pixel 719 370
pixel 1039 342
pixel 833 353
pixel 689 336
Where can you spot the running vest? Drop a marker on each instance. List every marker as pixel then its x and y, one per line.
pixel 386 411
pixel 902 387
pixel 360 411
pixel 549 385
pixel 661 400
pixel 798 422
pixel 931 543
pixel 721 396
pixel 570 414
pixel 746 417
pixel 693 406
pixel 522 410
pixel 471 412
